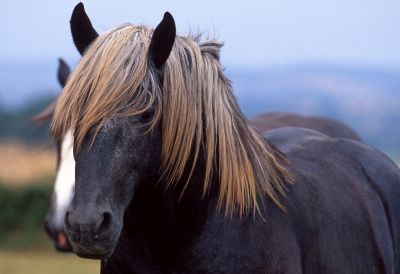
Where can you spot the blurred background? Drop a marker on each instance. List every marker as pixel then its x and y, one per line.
pixel 338 59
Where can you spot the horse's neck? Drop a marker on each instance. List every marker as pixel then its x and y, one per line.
pixel 133 252
pixel 160 224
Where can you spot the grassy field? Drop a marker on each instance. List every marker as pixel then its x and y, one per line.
pixel 30 251
pixel 45 262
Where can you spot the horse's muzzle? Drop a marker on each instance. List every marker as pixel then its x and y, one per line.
pixel 90 232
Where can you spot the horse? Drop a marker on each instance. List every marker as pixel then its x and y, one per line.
pixel 65 175
pixel 64 185
pixel 330 127
pixel 170 177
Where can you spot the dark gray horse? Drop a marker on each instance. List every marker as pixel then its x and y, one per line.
pixel 64 184
pixel 171 179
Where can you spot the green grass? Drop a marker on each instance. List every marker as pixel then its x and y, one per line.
pixel 24 246
pixel 22 211
pixel 45 262
pixel 30 251
pixel 26 239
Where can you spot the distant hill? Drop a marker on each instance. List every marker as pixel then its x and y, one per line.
pixel 367 99
pixel 24 81
pixel 26 88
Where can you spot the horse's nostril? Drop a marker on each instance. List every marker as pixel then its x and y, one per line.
pixel 105 221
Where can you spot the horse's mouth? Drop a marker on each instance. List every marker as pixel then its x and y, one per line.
pixel 88 246
pixel 59 239
pixel 61 242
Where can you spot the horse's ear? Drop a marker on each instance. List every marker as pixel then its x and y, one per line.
pixel 63 72
pixel 162 41
pixel 82 30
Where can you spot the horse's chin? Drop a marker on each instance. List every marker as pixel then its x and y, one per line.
pixel 88 245
pixel 92 256
pixel 63 248
pixel 95 253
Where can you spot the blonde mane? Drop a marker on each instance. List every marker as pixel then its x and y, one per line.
pixel 201 120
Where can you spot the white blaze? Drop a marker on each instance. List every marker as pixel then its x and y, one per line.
pixel 65 179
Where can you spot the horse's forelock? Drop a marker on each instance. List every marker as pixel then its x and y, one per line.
pixel 111 79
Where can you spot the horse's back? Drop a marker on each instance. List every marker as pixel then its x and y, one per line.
pixel 330 127
pixel 343 204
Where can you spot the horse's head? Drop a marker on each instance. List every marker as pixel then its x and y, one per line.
pixel 105 187
pixel 65 175
pixel 113 159
pixel 63 191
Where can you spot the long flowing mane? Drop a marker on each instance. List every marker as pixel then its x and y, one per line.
pixel 201 120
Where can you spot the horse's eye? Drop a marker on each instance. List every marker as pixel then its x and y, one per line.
pixel 147 116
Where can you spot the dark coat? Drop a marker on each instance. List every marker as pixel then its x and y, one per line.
pixel 341 216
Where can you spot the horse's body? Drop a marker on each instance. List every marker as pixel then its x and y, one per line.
pixel 190 187
pixel 330 127
pixel 341 216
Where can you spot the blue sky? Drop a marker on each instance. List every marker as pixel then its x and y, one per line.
pixel 256 33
